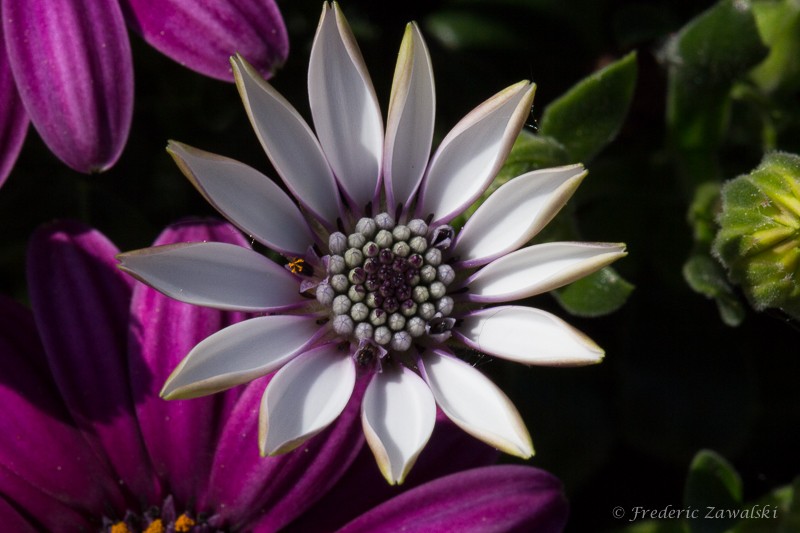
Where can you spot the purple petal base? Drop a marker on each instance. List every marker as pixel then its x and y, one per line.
pixel 162 332
pixel 498 499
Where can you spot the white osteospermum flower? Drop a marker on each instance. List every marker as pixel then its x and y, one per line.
pixel 376 283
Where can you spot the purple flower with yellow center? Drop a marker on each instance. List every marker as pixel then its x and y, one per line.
pixel 66 66
pixel 376 281
pixel 86 444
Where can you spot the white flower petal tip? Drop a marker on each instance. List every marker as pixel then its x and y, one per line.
pixel 345 109
pixel 529 336
pixel 304 397
pixel 246 197
pixel 472 153
pixel 409 124
pixel 215 274
pixel 240 353
pixel 398 414
pixel 540 268
pixel 475 404
pixel 515 213
pixel 289 143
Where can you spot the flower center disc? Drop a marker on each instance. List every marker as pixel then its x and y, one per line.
pixel 386 283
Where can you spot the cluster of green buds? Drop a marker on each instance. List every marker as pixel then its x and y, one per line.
pixel 759 237
pixel 387 282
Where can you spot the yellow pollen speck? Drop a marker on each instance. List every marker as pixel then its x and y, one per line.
pixel 120 527
pixel 296 265
pixel 156 526
pixel 183 524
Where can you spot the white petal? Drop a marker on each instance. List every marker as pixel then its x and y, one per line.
pixel 473 152
pixel 215 274
pixel 409 125
pixel 345 109
pixel 240 353
pixel 304 397
pixel 398 414
pixel 289 143
pixel 246 197
pixel 514 213
pixel 527 335
pixel 540 268
pixel 475 404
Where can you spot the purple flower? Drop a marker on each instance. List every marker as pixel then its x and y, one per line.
pixel 375 280
pixel 66 66
pixel 87 445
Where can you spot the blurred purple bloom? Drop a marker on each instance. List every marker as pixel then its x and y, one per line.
pixel 69 64
pixel 86 444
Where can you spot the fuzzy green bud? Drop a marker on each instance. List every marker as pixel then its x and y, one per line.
pixel 759 237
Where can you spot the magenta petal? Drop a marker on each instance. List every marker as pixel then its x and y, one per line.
pixel 162 332
pixel 13 119
pixel 489 499
pixel 13 520
pixel 50 514
pixel 80 301
pixel 38 441
pixel 449 450
pixel 253 492
pixel 203 35
pixel 74 72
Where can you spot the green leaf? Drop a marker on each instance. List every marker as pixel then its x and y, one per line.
pixel 530 152
pixel 778 512
pixel 459 30
pixel 701 271
pixel 706 276
pixel 597 294
pixel 588 116
pixel 703 212
pixel 705 58
pixel 712 482
pixel 779 25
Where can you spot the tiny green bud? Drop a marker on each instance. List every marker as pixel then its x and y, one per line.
pixel 356 240
pixel 341 304
pixel 339 282
pixel 401 341
pixel 384 221
pixel 363 330
pixel 420 294
pixel 343 325
pixel 396 322
pixel 433 256
pixel 426 311
pixel 336 264
pixel 367 227
pixel 401 233
pixel 418 244
pixel 359 312
pixel 418 227
pixel 382 335
pixel 353 257
pixel 401 249
pixel 337 243
pixel 384 239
